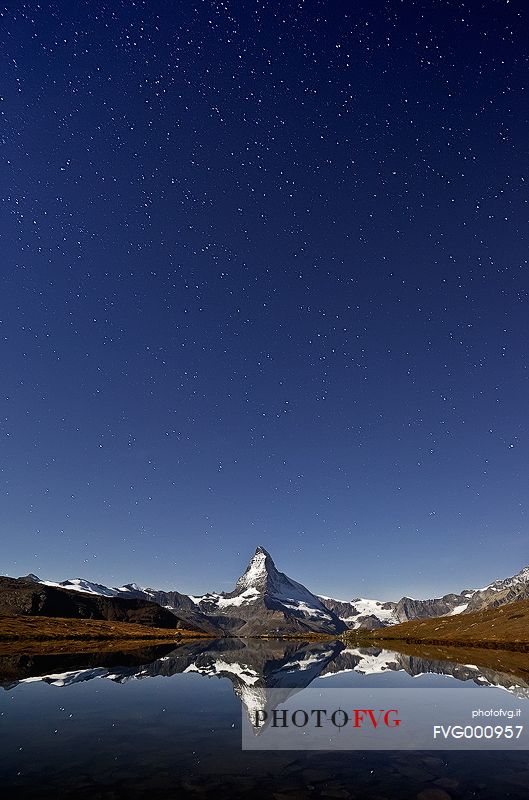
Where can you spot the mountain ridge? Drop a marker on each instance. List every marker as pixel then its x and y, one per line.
pixel 266 600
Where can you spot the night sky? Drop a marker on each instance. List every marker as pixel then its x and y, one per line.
pixel 264 281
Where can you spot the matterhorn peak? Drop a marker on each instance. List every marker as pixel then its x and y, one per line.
pixel 260 566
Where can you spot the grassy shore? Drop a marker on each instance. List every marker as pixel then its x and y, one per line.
pixel 23 629
pixel 505 628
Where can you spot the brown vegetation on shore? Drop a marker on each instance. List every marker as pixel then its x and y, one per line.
pixel 23 629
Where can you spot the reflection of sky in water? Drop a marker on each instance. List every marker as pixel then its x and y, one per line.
pixel 155 734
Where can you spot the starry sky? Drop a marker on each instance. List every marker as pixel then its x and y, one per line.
pixel 264 281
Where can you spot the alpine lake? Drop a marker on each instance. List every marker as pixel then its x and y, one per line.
pixel 165 722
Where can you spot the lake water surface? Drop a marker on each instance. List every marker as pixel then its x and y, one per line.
pixel 165 722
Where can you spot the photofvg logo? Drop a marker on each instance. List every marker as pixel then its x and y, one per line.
pixel 384 719
pixel 320 717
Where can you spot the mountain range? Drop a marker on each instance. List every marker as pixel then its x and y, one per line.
pixel 264 602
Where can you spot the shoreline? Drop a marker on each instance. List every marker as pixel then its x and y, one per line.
pixel 483 644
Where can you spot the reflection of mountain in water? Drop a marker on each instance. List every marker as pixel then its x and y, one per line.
pixel 372 661
pixel 251 666
pixel 260 665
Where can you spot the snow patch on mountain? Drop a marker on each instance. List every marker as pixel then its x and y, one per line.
pixel 248 596
pixel 459 609
pixel 89 587
pixel 304 607
pixel 82 585
pixel 366 607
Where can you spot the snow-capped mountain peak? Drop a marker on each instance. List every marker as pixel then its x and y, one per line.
pixel 255 575
pixel 502 591
pixel 133 587
pixel 262 577
pixel 266 599
pixel 520 577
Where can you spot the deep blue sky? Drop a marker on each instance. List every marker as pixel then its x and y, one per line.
pixel 264 281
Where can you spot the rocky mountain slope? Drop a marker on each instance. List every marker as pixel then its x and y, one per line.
pixel 501 592
pixel 24 596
